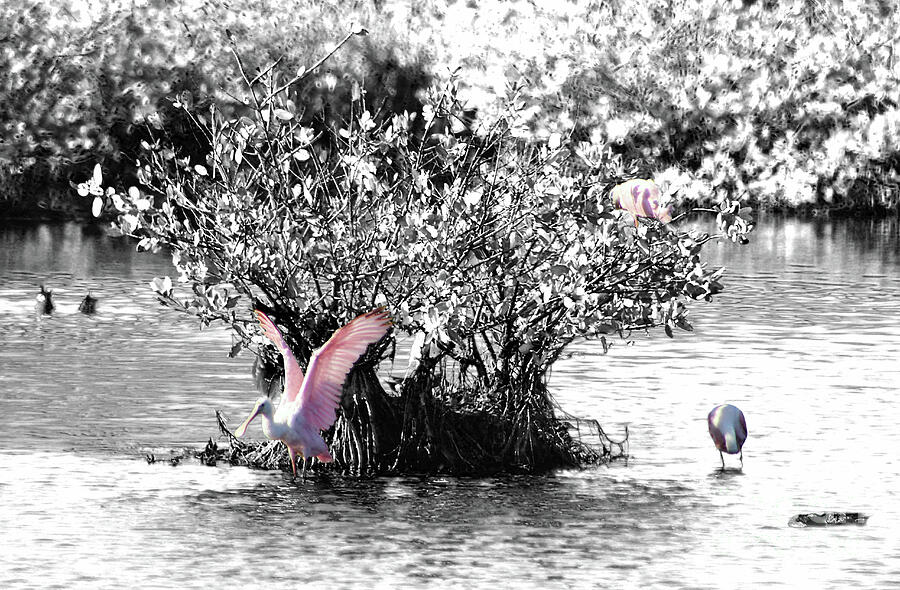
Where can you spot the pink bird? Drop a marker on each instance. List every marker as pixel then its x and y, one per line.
pixel 640 197
pixel 308 405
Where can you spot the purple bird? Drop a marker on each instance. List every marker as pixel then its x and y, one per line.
pixel 728 430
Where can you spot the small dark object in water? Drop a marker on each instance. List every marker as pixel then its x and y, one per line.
pixel 88 304
pixel 827 519
pixel 210 454
pixel 45 301
pixel 174 460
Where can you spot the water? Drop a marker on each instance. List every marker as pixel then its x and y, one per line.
pixel 805 340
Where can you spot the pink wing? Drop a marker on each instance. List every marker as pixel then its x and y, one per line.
pixel 293 375
pixel 329 366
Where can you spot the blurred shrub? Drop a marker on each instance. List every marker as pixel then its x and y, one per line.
pixel 80 87
pixel 793 104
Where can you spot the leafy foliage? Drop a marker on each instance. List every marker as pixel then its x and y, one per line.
pixel 807 118
pixel 494 254
pixel 82 82
pixel 791 103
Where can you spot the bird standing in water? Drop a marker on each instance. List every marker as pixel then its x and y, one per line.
pixel 44 301
pixel 308 404
pixel 728 430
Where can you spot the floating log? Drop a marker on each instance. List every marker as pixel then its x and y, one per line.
pixel 827 519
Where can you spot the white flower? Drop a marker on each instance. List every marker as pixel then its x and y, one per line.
pixel 93 186
pixel 617 129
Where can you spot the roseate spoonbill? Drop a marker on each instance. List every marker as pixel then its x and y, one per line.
pixel 44 301
pixel 88 304
pixel 728 430
pixel 640 197
pixel 307 404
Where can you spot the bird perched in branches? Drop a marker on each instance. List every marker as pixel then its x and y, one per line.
pixel 308 403
pixel 641 198
pixel 728 430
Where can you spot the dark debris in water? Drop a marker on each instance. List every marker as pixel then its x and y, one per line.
pixel 589 431
pixel 269 454
pixel 265 454
pixel 272 455
pixel 174 460
pixel 88 305
pixel 827 519
pixel 210 455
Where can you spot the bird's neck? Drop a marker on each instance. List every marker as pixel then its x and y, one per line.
pixel 272 429
pixel 731 445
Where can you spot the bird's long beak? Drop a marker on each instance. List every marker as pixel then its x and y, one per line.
pixel 240 430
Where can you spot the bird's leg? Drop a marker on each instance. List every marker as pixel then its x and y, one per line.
pixel 303 476
pixel 742 459
pixel 721 456
pixel 293 455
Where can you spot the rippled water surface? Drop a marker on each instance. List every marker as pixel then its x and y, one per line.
pixel 805 340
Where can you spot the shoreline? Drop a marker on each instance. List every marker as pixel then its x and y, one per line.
pixel 804 212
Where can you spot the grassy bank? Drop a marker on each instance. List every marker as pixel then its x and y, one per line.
pixel 793 107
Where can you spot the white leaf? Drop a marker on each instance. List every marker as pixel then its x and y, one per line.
pixel 554 141
pixel 703 97
pixel 162 285
pixel 119 203
pixel 283 115
pixel 129 223
pixel 472 197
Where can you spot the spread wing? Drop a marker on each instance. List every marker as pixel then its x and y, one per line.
pixel 328 367
pixel 293 375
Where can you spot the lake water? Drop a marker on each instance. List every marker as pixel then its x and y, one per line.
pixel 805 340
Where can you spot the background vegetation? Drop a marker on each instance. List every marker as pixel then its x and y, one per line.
pixel 791 104
pixel 86 82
